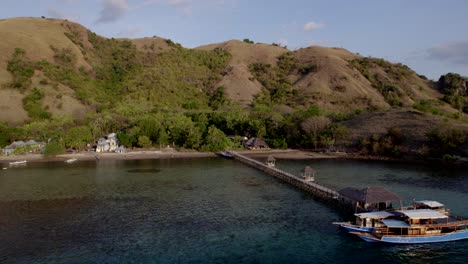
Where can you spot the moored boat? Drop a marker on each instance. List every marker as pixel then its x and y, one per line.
pixel 225 154
pixel 71 160
pixel 417 226
pixel 19 162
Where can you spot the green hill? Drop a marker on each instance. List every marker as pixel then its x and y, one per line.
pixel 56 75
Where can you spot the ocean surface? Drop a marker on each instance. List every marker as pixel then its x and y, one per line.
pixel 206 210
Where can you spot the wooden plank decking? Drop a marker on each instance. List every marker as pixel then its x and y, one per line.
pixel 319 192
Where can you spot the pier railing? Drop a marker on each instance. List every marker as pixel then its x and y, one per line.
pixel 317 190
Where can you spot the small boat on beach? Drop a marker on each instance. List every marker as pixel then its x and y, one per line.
pixel 18 163
pixel 225 154
pixel 71 160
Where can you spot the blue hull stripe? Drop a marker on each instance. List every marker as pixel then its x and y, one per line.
pixel 419 239
pixel 358 229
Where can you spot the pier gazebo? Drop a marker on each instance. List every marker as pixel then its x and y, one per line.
pixel 271 161
pixel 370 198
pixel 308 174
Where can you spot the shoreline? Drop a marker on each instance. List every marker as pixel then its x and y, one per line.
pixel 291 154
pixel 157 154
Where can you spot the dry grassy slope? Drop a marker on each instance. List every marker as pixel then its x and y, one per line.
pixel 59 99
pixel 154 44
pixel 333 84
pixel 36 36
pixel 239 83
pixel 411 87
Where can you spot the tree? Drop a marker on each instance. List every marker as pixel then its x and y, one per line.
pixel 54 148
pixel 216 140
pixel 78 137
pixel 218 98
pixel 144 142
pixel 314 126
pixel 126 139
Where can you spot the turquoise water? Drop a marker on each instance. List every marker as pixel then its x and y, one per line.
pixel 204 211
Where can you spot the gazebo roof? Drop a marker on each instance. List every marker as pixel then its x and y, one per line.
pixel 308 170
pixel 370 195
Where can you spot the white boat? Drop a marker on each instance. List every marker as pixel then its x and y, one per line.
pixel 416 226
pixel 71 160
pixel 19 162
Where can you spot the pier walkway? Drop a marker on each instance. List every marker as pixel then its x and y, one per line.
pixel 318 191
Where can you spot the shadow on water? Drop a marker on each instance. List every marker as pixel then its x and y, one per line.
pixel 144 171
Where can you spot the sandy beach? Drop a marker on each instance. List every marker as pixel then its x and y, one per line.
pixel 158 154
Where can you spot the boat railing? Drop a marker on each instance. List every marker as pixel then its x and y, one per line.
pixel 448 224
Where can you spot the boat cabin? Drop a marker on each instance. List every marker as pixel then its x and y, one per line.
pixel 427 204
pixel 415 222
pixel 372 219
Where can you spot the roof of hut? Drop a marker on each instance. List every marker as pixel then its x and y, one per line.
pixel 256 142
pixel 370 195
pixel 271 158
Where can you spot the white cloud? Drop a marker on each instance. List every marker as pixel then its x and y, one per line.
pixel 454 52
pixel 311 26
pixel 112 10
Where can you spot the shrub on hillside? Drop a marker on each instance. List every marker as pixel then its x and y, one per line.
pixel 388 144
pixel 21 69
pixel 445 140
pixel 32 103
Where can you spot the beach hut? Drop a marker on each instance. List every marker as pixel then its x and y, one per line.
pixel 255 143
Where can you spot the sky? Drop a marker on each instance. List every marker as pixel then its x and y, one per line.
pixel 430 36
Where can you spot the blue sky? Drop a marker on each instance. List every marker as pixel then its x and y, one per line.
pixel 429 36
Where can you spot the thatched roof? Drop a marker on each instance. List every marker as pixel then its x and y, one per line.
pixel 271 158
pixel 370 195
pixel 308 170
pixel 256 143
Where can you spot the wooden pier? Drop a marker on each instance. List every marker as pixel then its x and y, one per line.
pixel 319 192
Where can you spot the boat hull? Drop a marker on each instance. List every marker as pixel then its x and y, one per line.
pixel 225 155
pixel 454 236
pixel 357 228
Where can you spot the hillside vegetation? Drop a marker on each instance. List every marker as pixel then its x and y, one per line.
pixel 60 81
